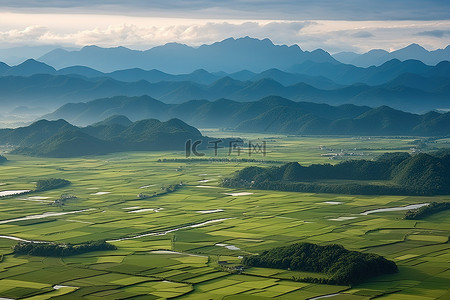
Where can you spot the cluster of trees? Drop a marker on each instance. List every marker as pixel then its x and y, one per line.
pixel 62 199
pixel 424 211
pixel 59 250
pixel 343 266
pixel 50 184
pixel 164 190
pixel 170 188
pixel 2 159
pixel 421 174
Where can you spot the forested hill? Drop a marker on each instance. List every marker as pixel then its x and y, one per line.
pixel 61 139
pixel 395 173
pixel 271 114
pixel 341 265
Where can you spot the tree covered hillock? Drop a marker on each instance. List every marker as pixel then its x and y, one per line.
pixel 395 173
pixel 341 265
pixel 424 172
pixel 50 184
pixel 62 139
pixel 425 211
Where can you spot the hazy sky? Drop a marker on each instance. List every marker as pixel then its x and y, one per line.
pixel 346 25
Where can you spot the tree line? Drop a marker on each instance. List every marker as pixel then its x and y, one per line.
pixel 59 250
pixel 425 211
pixel 402 173
pixel 219 159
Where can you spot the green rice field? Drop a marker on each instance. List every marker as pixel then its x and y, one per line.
pixel 186 244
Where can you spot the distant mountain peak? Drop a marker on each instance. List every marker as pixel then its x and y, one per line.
pixel 173 46
pixel 412 50
pixel 242 41
pixel 226 80
pixel 319 50
pixel 384 108
pixel 200 71
pixel 32 62
pixel 49 122
pixel 114 120
pixel 377 51
pixel 30 67
pixel 91 47
pixel 58 51
pixel 414 46
pixel 392 62
pixel 266 41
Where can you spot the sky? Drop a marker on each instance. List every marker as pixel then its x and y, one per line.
pixel 335 26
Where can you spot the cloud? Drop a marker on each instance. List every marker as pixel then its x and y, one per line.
pixel 362 34
pixel 142 36
pixel 24 35
pixel 74 30
pixel 434 33
pixel 337 36
pixel 250 9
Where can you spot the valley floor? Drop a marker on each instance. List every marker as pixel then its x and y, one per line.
pixel 183 244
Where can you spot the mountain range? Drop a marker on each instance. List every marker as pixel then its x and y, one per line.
pixel 377 57
pixel 409 85
pixel 32 67
pixel 217 55
pixel 271 114
pixel 243 69
pixel 319 75
pixel 229 55
pixel 18 54
pixel 62 139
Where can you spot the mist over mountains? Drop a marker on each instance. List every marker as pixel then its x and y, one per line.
pixel 61 139
pixel 270 114
pixel 239 70
pixel 409 85
pixel 322 75
pixel 116 132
